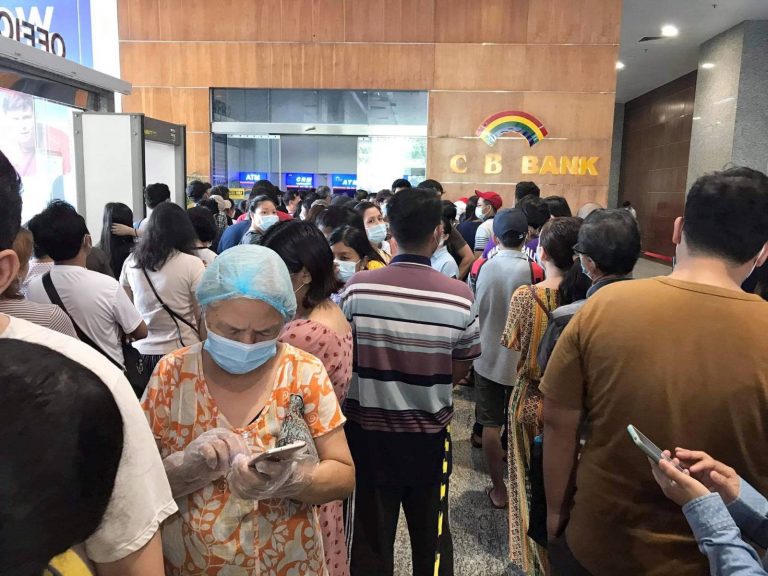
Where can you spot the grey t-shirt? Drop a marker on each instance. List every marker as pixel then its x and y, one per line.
pixel 497 281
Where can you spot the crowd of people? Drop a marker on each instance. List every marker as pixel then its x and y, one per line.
pixel 261 387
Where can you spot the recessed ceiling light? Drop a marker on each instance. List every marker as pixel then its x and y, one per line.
pixel 707 65
pixel 697 117
pixel 669 31
pixel 619 65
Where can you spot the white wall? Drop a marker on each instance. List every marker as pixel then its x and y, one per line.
pixel 106 44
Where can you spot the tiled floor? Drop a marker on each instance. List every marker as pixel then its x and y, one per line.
pixel 479 531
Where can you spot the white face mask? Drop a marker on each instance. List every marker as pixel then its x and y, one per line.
pixel 479 213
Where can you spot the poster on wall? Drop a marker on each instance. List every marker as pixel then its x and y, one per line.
pixel 62 27
pixel 37 137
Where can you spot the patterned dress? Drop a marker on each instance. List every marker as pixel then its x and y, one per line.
pixel 335 352
pixel 214 533
pixel 526 323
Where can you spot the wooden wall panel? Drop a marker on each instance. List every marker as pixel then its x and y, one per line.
pixel 523 67
pixel 198 155
pixel 569 22
pixel 497 21
pixel 565 115
pixel 389 20
pixel 189 106
pixel 552 58
pixel 654 163
pixel 280 65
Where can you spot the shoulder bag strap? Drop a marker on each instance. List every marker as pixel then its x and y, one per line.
pixel 540 303
pixel 174 316
pixel 54 297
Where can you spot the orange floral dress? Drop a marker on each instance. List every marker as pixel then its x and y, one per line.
pixel 215 533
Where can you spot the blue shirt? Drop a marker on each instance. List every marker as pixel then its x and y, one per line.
pixel 443 262
pixel 716 528
pixel 233 235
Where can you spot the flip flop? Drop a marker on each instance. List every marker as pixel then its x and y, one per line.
pixel 496 506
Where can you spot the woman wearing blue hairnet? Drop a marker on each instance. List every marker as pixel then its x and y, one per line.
pixel 216 406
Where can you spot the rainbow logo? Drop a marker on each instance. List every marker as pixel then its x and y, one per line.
pixel 511 121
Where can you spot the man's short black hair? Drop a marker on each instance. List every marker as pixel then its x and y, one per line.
pixel 196 189
pixel 726 215
pixel 449 209
pixel 526 188
pixel 626 204
pixel 59 230
pixel 155 194
pixel 611 239
pixel 558 207
pixel 203 223
pixel 433 185
pixel 535 210
pixel 400 183
pixel 413 216
pixel 383 195
pixel 338 216
pixel 10 203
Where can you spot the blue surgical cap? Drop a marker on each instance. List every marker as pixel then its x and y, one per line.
pixel 249 271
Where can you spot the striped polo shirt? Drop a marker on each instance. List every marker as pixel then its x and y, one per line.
pixel 409 323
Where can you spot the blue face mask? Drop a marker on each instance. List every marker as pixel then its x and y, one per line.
pixel 238 358
pixel 347 269
pixel 268 221
pixel 377 234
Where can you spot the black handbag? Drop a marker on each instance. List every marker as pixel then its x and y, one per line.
pixel 134 364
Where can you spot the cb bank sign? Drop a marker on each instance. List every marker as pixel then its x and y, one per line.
pixel 533 130
pixel 61 27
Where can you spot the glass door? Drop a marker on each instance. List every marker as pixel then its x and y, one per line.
pixel 241 160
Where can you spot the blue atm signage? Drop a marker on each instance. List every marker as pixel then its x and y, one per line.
pixel 299 180
pixel 61 27
pixel 345 181
pixel 248 179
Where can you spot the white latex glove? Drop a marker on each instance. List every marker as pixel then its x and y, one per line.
pixel 207 458
pixel 272 478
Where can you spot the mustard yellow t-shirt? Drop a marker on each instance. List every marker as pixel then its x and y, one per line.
pixel 374 265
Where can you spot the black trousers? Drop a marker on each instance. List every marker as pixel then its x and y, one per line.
pixel 562 562
pixel 375 525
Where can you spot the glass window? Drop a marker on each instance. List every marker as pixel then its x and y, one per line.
pixel 374 107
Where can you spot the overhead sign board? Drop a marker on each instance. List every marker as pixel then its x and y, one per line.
pixel 344 181
pixel 61 27
pixel 299 180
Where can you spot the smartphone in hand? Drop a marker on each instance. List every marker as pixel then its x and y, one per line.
pixel 280 453
pixel 649 448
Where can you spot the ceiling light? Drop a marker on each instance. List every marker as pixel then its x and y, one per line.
pixel 707 65
pixel 669 31
pixel 619 65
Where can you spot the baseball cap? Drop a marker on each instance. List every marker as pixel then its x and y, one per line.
pixel 221 202
pixel 510 220
pixel 492 197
